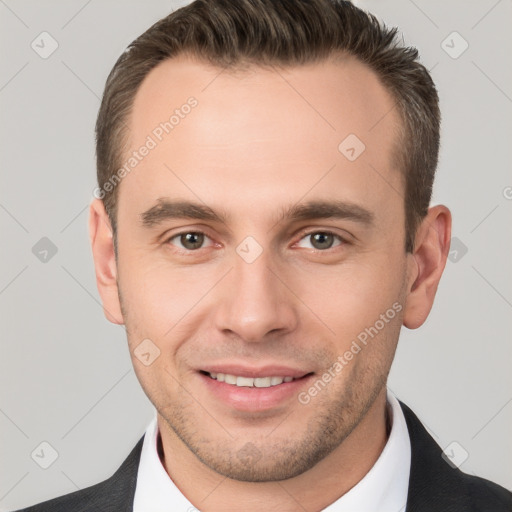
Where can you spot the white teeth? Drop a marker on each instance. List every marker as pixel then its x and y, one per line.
pixel 262 382
pixel 250 382
pixel 245 381
pixel 229 379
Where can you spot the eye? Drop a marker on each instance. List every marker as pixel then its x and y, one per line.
pixel 189 240
pixel 321 240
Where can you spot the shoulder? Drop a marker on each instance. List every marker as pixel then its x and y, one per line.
pixel 79 501
pixel 112 495
pixel 435 484
pixel 486 495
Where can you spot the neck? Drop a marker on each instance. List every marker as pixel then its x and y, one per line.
pixel 333 476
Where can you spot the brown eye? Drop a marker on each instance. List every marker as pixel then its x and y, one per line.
pixel 190 240
pixel 320 240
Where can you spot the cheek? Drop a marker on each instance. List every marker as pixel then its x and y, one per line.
pixel 158 296
pixel 351 297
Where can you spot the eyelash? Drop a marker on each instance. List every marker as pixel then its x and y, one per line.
pixel 343 241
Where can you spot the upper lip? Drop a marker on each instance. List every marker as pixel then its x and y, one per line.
pixel 252 371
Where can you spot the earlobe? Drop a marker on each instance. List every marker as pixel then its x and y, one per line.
pixel 427 262
pixel 102 244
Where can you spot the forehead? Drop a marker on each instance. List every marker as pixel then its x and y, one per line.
pixel 338 95
pixel 262 133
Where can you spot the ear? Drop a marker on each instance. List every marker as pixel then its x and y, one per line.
pixel 426 264
pixel 102 243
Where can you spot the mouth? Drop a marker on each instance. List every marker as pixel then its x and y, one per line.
pixel 254 390
pixel 251 382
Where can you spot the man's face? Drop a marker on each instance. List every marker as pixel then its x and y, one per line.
pixel 248 289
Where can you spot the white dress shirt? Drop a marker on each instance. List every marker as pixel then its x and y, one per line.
pixel 383 489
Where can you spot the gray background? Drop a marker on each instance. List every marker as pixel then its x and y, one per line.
pixel 66 376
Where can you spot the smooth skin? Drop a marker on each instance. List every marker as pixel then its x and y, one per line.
pixel 257 143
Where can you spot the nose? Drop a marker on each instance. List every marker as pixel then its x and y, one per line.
pixel 254 302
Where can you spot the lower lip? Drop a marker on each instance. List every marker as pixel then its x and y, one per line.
pixel 254 399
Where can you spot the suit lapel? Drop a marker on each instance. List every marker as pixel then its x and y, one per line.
pixel 118 492
pixel 433 483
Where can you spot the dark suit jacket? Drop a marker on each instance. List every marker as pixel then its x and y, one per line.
pixel 434 486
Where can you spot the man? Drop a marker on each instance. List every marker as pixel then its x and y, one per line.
pixel 262 228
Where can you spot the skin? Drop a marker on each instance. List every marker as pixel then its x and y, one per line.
pixel 258 142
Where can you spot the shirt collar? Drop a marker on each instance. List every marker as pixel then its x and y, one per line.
pixel 383 489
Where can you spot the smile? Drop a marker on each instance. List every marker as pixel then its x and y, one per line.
pixel 252 389
pixel 249 382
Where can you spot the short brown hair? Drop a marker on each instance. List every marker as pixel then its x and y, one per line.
pixel 234 33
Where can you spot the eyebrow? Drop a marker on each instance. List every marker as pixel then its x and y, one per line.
pixel 166 209
pixel 328 209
